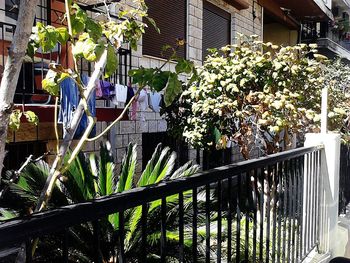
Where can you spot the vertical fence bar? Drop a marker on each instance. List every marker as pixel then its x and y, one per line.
pixel 144 231
pixel 194 225
pixel 207 223
pixel 163 231
pixel 28 248
pixel 229 220
pixel 318 199
pixel 238 214
pixel 219 223
pixel 315 198
pixel 65 245
pixel 181 228
pixel 289 210
pixel 301 185
pixel 255 216
pixel 268 197
pixel 96 241
pixel 261 208
pixel 285 199
pixel 121 238
pixel 274 210
pixel 308 196
pixel 280 208
pixel 294 205
pixel 247 209
pixel 298 208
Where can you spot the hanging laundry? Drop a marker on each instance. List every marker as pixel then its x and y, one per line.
pixel 129 94
pixel 98 90
pixel 134 106
pixel 154 99
pixel 143 102
pixel 106 88
pixel 121 93
pixel 69 98
pixel 162 103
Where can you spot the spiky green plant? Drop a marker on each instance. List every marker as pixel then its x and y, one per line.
pixel 94 176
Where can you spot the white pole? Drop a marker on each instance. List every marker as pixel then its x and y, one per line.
pixel 324 110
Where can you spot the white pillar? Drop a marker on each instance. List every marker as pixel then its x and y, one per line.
pixel 329 183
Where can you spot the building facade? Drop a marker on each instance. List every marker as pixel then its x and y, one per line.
pixel 202 24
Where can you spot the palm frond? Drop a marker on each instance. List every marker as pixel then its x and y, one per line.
pixel 150 166
pixel 127 169
pixel 79 186
pixel 107 175
pixel 7 214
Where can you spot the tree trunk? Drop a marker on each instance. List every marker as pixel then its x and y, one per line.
pixel 13 67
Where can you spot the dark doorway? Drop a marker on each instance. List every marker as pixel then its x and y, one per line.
pixel 151 140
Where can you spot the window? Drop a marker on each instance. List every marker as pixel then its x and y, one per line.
pixel 216 27
pixel 170 17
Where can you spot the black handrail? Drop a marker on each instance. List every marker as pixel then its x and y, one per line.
pixel 18 230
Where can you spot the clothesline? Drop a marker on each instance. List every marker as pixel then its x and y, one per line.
pixel 116 93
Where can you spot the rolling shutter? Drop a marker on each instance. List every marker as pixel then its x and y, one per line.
pixel 170 17
pixel 216 27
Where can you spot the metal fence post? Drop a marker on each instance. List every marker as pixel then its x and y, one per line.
pixel 329 190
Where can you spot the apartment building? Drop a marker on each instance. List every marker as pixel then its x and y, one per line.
pixel 202 24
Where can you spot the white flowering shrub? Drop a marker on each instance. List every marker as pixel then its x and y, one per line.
pixel 253 93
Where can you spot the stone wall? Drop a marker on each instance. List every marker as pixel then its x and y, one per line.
pixel 131 131
pixel 242 22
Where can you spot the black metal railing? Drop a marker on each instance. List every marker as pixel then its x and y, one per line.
pixel 29 88
pixel 344 179
pixel 263 210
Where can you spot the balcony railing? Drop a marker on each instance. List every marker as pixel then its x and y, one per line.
pixel 29 89
pixel 263 210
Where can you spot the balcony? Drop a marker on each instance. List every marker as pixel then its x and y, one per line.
pixel 29 94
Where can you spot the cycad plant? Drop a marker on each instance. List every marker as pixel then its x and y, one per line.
pixel 94 176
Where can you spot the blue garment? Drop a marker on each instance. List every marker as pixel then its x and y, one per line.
pixel 69 102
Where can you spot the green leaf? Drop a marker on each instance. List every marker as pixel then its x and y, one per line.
pixel 142 76
pixel 112 62
pixel 52 81
pixel 127 169
pixel 62 34
pixel 31 117
pixel 184 66
pixel 32 48
pixel 47 37
pixel 94 29
pixel 153 23
pixel 173 89
pixel 78 20
pixel 15 120
pixel 78 49
pixel 217 135
pixel 160 80
pixel 92 51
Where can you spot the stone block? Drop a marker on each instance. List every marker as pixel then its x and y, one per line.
pixel 118 141
pixel 191 10
pixel 145 62
pixel 120 154
pixel 152 126
pixel 136 139
pixel 125 140
pixel 149 115
pixel 127 127
pixel 141 126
